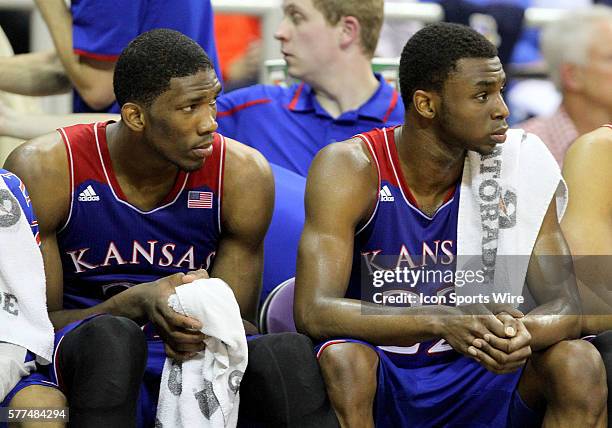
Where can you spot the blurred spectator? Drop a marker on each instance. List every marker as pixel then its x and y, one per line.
pixel 88 42
pixel 578 51
pixel 327 45
pixel 238 40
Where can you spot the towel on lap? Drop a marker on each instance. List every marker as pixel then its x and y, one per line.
pixel 204 391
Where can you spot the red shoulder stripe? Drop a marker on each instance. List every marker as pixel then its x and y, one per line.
pixel 392 105
pixel 242 107
pixel 96 56
pixel 296 97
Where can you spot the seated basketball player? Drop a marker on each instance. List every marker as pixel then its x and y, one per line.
pixel 394 194
pixel 588 228
pixel 127 208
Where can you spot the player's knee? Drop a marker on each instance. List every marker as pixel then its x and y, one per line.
pixel 578 376
pixel 283 377
pixel 346 365
pixel 293 358
pixel 115 337
pixel 38 396
pixel 103 360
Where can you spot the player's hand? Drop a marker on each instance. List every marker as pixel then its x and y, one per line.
pixel 194 275
pixel 180 333
pixel 503 355
pixel 471 322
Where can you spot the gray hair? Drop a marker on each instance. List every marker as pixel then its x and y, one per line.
pixel 568 40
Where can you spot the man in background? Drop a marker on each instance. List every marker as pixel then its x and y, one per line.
pixel 578 50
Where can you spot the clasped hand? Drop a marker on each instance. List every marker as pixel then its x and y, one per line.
pixel 493 335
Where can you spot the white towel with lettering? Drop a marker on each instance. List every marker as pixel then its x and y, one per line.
pixel 23 303
pixel 504 198
pixel 204 391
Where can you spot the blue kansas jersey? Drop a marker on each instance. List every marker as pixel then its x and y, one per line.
pixel 107 244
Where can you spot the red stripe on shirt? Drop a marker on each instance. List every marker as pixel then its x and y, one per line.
pixel 242 107
pixel 392 105
pixel 296 97
pixel 96 56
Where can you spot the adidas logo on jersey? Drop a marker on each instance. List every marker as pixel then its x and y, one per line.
pixel 88 195
pixel 385 195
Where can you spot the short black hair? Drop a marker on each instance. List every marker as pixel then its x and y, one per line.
pixel 147 64
pixel 432 53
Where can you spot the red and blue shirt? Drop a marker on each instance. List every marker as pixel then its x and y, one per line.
pixel 289 126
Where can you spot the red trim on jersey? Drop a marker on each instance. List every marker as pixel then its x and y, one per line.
pixel 296 97
pixel 221 175
pixel 243 106
pixel 392 105
pixel 108 165
pixel 328 344
pixel 64 136
pixel 208 174
pixel 370 147
pixel 96 56
pixel 402 179
pixel 396 164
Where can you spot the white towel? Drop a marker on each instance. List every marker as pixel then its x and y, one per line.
pixel 204 391
pixel 23 303
pixel 504 197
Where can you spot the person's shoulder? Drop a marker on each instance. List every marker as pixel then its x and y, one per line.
pixel 246 162
pixel 348 159
pixel 251 96
pixel 39 161
pixel 591 150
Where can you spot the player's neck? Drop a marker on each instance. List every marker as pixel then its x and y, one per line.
pixel 586 114
pixel 345 87
pixel 430 167
pixel 134 162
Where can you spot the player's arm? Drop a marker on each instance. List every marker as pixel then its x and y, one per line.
pixel 27 126
pixel 247 204
pixel 33 74
pixel 587 225
pixel 93 79
pixel 551 280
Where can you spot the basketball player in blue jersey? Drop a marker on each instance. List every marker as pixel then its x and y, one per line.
pixel 128 208
pixel 395 193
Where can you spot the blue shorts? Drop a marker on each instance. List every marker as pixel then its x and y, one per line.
pixel 457 392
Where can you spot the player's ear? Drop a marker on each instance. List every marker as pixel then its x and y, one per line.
pixel 133 116
pixel 424 103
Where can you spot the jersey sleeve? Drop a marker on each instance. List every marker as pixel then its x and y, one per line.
pixel 17 188
pixel 102 28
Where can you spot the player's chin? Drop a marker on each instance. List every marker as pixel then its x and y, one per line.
pixel 486 148
pixel 191 165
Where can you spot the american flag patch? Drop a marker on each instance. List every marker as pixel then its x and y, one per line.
pixel 199 199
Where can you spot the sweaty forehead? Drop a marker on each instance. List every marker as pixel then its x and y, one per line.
pixel 477 71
